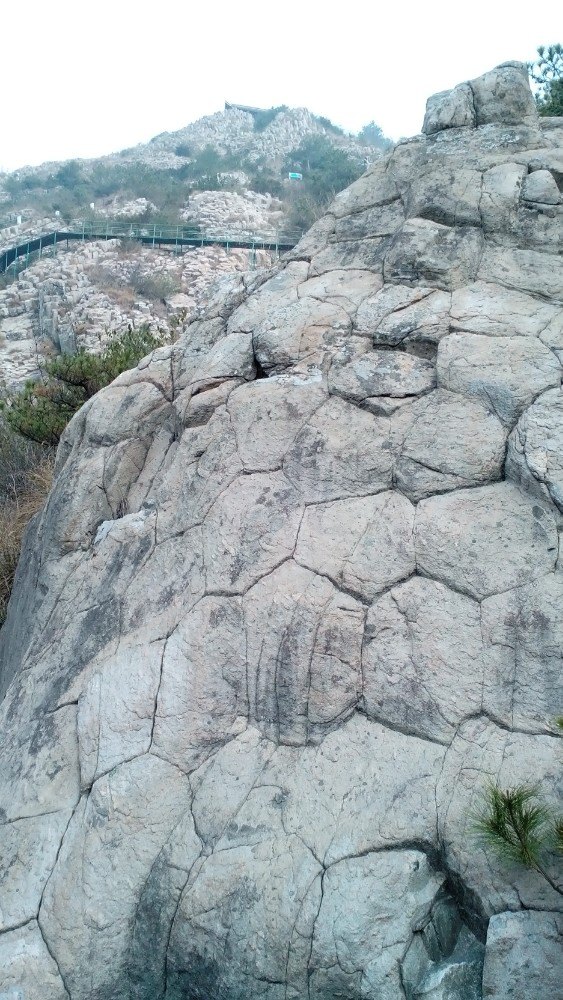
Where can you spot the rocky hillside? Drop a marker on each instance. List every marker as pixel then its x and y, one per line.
pixel 203 177
pixel 295 598
pixel 269 135
pixel 76 299
pixel 232 150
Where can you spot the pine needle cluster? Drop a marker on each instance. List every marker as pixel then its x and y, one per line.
pixel 547 73
pixel 519 828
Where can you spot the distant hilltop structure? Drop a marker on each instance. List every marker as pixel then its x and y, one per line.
pixel 242 107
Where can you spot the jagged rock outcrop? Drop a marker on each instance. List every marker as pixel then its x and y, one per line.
pixel 234 131
pixel 295 597
pixel 248 213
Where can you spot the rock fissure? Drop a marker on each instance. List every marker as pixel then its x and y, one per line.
pixel 53 957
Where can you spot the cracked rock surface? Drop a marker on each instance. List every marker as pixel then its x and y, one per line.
pixel 294 599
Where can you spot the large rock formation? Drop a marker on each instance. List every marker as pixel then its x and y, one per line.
pixel 294 599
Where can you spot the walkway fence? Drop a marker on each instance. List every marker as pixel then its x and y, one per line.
pixel 15 258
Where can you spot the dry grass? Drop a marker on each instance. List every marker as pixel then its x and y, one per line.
pixel 120 294
pixel 153 286
pixel 26 474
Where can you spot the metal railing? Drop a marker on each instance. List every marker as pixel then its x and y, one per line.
pixel 133 230
pixel 152 235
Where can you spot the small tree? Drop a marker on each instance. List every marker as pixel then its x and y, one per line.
pixel 372 135
pixel 69 175
pixel 547 72
pixel 519 828
pixel 43 409
pixel 326 168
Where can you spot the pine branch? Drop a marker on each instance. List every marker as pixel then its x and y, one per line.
pixel 517 826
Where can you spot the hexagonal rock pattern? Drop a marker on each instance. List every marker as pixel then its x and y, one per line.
pixel 294 599
pixel 485 540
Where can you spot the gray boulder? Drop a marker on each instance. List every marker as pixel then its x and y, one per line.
pixel 523 957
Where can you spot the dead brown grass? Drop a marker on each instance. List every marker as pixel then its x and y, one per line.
pixel 17 507
pixel 120 294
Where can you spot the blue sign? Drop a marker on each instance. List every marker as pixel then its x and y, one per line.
pixel 296 177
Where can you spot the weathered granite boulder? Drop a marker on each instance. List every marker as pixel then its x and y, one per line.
pixel 294 599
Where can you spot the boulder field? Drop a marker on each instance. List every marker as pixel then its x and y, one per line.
pixel 295 599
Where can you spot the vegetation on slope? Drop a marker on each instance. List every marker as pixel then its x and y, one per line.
pixel 26 470
pixel 32 423
pixel 73 186
pixel 41 411
pixel 326 170
pixel 547 73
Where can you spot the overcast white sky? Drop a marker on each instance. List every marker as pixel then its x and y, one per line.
pixel 88 77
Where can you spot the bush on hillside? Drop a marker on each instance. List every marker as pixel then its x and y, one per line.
pixel 326 169
pixel 265 182
pixel 303 210
pixel 43 409
pixel 184 149
pixel 328 125
pixel 69 175
pixel 70 191
pixel 16 184
pixel 372 135
pixel 155 285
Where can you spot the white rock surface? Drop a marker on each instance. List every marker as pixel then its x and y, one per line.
pixel 507 375
pixel 535 448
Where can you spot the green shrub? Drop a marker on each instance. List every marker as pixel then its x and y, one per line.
pixel 265 182
pixel 184 149
pixel 372 135
pixel 43 408
pixel 326 170
pixel 15 185
pixel 156 285
pixel 69 175
pixel 302 210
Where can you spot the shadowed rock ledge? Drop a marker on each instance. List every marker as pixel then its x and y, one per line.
pixel 294 598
